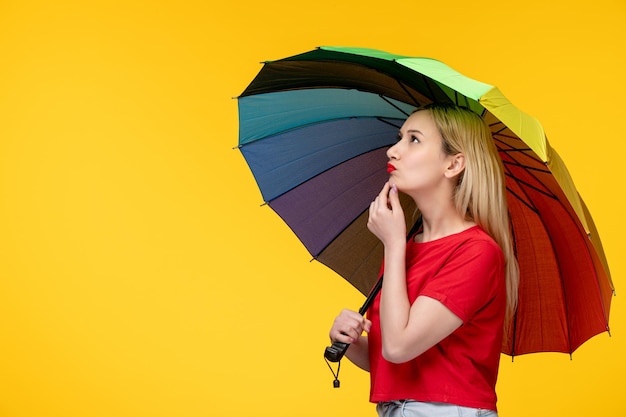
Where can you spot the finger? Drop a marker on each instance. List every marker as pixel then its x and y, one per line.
pixel 385 190
pixel 372 210
pixel 394 199
pixel 375 203
pixel 348 320
pixel 350 325
pixel 382 196
pixel 347 335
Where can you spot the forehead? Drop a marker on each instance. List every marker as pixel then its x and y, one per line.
pixel 421 121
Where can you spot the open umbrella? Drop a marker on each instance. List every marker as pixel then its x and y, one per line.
pixel 314 129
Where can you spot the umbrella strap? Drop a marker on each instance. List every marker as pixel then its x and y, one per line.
pixel 335 374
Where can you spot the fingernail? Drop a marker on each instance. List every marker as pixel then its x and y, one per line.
pixel 394 188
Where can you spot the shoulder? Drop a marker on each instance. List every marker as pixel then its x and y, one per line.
pixel 471 276
pixel 475 239
pixel 476 251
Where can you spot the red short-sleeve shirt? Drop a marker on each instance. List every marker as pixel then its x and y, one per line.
pixel 465 272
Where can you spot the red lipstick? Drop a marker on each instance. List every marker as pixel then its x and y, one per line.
pixel 390 168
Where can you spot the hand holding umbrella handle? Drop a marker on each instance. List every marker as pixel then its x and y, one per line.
pixel 335 352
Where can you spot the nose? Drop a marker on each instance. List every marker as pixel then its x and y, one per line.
pixel 392 152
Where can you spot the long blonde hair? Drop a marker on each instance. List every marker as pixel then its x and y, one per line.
pixel 481 191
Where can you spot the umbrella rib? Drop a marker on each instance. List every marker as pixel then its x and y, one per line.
pixel 463 96
pixel 387 121
pixel 513 150
pixel 502 129
pixel 496 138
pixel 519 164
pixel 393 105
pixel 426 79
pixel 547 194
pixel 526 201
pixel 527 204
pixel 339 233
pixel 406 90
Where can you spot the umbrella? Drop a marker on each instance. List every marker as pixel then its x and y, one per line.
pixel 314 129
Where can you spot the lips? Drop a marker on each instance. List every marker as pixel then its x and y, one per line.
pixel 390 168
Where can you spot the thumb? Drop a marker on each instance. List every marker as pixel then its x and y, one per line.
pixel 367 326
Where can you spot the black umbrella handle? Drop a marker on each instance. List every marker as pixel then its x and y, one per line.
pixel 335 352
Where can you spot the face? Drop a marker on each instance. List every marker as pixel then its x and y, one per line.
pixel 417 162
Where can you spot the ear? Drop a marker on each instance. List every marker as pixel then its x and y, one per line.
pixel 456 165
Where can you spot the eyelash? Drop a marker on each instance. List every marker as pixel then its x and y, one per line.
pixel 413 138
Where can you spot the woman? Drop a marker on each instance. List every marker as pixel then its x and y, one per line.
pixel 435 330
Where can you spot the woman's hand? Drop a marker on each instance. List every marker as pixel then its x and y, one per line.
pixel 386 217
pixel 348 327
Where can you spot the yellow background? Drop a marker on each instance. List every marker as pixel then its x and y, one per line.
pixel 139 275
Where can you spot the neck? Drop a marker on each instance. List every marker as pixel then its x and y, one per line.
pixel 441 222
pixel 439 215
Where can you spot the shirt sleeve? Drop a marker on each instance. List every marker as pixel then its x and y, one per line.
pixel 470 278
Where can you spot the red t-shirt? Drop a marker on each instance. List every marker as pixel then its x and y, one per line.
pixel 465 272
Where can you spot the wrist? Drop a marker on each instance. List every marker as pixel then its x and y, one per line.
pixel 396 246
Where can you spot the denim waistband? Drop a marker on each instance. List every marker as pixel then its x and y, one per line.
pixel 402 408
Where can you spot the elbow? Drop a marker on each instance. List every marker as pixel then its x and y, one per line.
pixel 396 354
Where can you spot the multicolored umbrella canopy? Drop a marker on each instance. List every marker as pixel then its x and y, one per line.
pixel 314 130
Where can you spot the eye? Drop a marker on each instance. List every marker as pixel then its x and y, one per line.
pixel 414 139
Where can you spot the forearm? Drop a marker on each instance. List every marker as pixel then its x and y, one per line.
pixel 408 330
pixel 394 305
pixel 358 353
